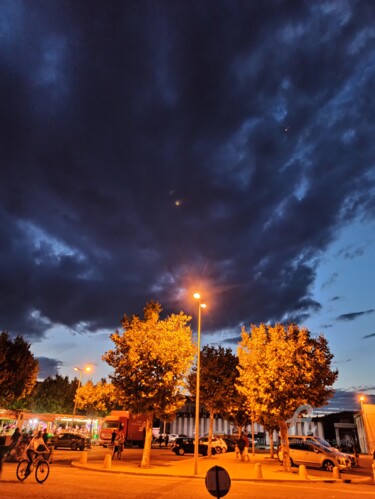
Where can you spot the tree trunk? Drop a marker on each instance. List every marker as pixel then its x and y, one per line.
pixel 210 430
pixel 272 451
pixel 148 440
pixel 285 445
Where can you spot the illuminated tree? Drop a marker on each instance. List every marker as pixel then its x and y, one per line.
pixel 18 369
pixel 218 373
pixel 283 368
pixel 97 400
pixel 151 359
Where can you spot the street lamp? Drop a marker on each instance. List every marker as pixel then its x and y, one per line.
pixel 197 296
pixel 362 399
pixel 363 418
pixel 87 370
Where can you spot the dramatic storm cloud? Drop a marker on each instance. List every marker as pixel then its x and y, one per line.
pixel 149 149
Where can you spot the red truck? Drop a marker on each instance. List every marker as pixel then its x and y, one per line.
pixel 133 428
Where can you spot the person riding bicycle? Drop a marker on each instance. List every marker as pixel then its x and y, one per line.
pixel 36 446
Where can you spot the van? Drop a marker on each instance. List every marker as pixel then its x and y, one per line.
pixel 303 451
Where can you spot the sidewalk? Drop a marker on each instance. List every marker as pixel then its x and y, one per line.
pixel 167 465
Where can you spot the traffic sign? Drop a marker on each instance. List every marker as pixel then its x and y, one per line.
pixel 217 481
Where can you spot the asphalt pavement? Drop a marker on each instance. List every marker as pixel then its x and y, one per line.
pixel 164 463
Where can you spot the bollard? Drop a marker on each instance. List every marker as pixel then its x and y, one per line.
pixel 83 459
pixel 336 473
pixel 258 470
pixel 373 469
pixel 302 472
pixel 107 462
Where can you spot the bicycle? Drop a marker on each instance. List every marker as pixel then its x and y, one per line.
pixel 39 464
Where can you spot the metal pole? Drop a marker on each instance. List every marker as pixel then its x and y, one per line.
pixel 252 433
pixel 363 415
pixel 196 440
pixel 75 397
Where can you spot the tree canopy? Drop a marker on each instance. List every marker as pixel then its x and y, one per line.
pixel 54 395
pixel 282 368
pixel 18 369
pixel 218 373
pixel 97 400
pixel 151 359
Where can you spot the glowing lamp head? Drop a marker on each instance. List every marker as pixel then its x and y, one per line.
pixel 197 296
pixel 87 369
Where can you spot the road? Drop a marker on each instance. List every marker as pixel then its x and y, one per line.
pixel 67 482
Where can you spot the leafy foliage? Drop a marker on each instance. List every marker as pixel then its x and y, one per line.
pixel 151 359
pixel 54 395
pixel 282 368
pixel 218 373
pixel 97 400
pixel 238 410
pixel 18 369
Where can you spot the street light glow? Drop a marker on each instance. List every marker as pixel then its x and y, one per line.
pixel 197 296
pixel 87 369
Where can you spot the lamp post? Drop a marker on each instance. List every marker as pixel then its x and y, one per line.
pixel 197 296
pixel 87 370
pixel 362 399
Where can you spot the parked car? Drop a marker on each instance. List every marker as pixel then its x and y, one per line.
pixel 321 441
pixel 217 443
pixel 70 440
pixel 173 436
pixel 231 444
pixel 315 455
pixel 185 445
pixel 230 440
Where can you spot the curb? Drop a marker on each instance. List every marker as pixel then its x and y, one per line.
pixel 310 479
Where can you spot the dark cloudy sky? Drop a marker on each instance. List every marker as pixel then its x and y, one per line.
pixel 153 148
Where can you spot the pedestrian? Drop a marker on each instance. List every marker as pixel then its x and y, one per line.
pixel 118 446
pixel 46 440
pixel 160 440
pixel 166 440
pixel 113 437
pixel 3 451
pixel 15 438
pixel 245 454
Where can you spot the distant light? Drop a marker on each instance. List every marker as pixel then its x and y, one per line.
pixel 177 202
pixel 87 369
pixel 197 296
pixel 203 305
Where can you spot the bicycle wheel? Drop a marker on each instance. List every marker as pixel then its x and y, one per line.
pixel 21 470
pixel 42 471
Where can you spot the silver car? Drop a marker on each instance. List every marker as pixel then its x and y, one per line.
pixel 315 455
pixel 321 441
